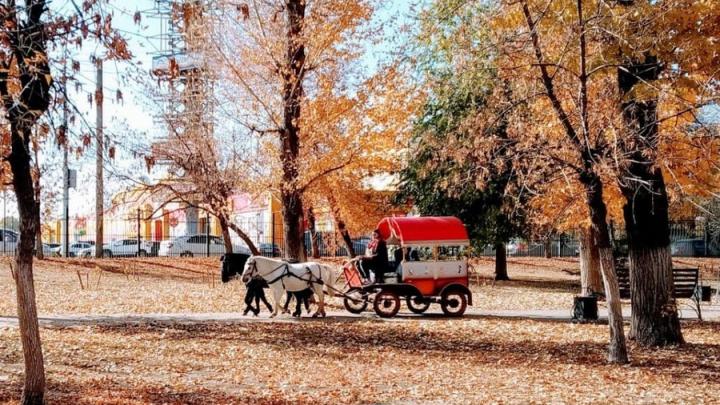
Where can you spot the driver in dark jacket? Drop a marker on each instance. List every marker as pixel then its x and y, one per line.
pixel 377 260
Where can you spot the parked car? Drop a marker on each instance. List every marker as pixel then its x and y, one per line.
pixel 196 245
pixel 8 241
pixel 121 248
pixel 692 247
pixel 269 250
pixel 73 249
pixel 47 249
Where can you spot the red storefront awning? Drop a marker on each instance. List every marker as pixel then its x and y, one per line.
pixel 423 231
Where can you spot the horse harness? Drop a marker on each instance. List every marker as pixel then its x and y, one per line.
pixel 286 272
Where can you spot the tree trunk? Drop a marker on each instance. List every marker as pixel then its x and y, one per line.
pixel 501 262
pixel 253 249
pixel 293 234
pixel 655 320
pixel 314 237
pixel 34 387
pixel 225 229
pixel 617 352
pixel 341 228
pixel 293 76
pixel 590 277
pixel 39 254
pixel 547 245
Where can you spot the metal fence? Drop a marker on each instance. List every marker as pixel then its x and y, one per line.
pixel 563 246
pixel 165 236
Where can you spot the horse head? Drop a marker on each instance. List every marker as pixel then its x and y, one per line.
pixel 250 270
pixel 232 264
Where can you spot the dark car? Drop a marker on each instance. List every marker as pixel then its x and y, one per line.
pixel 692 247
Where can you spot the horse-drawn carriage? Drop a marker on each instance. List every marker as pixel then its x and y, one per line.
pixel 428 267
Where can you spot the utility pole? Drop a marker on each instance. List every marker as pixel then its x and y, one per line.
pixel 99 206
pixel 207 234
pixel 138 232
pixel 65 237
pixel 4 232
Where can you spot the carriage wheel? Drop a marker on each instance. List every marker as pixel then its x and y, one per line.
pixel 416 304
pixel 387 304
pixel 355 302
pixel 453 303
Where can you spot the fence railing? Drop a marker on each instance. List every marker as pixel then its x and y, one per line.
pixel 164 236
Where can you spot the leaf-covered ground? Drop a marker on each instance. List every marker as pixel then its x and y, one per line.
pixel 411 359
pixel 172 285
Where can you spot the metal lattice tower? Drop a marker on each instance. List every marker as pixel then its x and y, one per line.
pixel 185 82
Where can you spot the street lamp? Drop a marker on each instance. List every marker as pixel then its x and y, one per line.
pixel 702 220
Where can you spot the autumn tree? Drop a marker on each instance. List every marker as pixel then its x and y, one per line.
pixel 664 76
pixel 289 67
pixel 437 184
pixel 25 88
pixel 550 141
pixel 197 172
pixel 629 126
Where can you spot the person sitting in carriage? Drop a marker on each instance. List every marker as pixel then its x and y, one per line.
pixel 377 259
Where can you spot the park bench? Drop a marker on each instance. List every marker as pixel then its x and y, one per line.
pixel 686 285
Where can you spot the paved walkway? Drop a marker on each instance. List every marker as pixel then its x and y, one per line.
pixel 710 313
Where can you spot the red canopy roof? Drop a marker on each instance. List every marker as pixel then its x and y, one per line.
pixel 423 231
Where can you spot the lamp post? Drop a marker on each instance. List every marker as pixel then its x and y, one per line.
pixel 703 221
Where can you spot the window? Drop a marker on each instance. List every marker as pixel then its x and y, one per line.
pixel 217 241
pixel 11 238
pixel 451 253
pixel 198 239
pixel 194 239
pixel 129 242
pixel 418 253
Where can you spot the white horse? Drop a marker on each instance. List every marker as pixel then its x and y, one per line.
pixel 282 276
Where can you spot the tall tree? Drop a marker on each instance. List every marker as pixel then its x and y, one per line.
pixel 598 65
pixel 460 76
pixel 25 90
pixel 555 136
pixel 293 65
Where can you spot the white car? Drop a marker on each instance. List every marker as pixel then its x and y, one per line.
pixel 120 248
pixel 196 245
pixel 74 249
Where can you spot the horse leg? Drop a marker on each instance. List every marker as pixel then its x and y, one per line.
pixel 288 297
pixel 306 300
pixel 321 301
pixel 277 293
pixel 298 307
pixel 257 304
pixel 264 300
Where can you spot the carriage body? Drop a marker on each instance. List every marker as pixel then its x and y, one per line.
pixel 429 267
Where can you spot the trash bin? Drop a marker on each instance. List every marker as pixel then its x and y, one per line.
pixel 585 309
pixel 706 293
